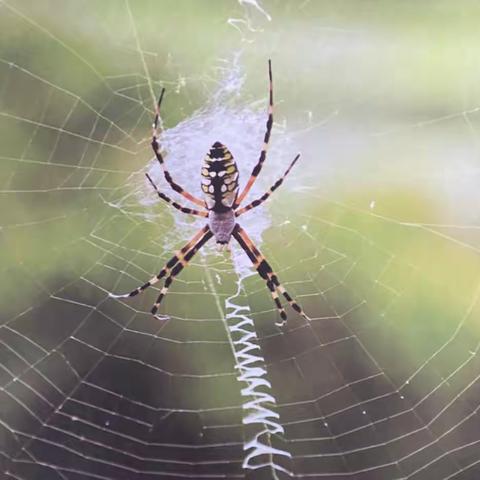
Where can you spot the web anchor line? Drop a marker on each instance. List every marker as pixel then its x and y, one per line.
pixel 263 434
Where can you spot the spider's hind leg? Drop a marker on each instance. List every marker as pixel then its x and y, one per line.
pixel 269 192
pixel 266 141
pixel 158 154
pixel 189 211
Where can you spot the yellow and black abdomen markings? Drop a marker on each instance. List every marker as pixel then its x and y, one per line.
pixel 219 178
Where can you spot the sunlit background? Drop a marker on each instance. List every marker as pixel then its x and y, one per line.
pixel 375 232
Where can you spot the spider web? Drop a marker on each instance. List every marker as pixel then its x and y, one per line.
pixel 374 232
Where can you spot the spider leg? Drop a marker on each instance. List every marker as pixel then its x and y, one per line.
pixel 278 304
pixel 178 257
pixel 265 196
pixel 270 284
pixel 182 263
pixel 174 204
pixel 158 154
pixel 264 269
pixel 266 141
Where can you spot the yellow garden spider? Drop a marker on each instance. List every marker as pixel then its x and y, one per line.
pixel 220 186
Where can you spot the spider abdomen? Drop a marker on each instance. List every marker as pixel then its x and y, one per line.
pixel 219 178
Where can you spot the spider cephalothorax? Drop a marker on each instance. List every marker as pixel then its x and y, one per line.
pixel 222 199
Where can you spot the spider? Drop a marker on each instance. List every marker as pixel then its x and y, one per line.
pixel 222 199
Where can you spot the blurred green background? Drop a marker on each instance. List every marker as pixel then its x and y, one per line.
pixel 377 234
pixel 384 95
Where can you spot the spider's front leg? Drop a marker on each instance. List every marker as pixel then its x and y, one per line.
pixel 168 268
pixel 182 263
pixel 265 271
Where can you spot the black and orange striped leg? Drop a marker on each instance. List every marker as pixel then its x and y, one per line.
pixel 270 284
pixel 265 196
pixel 182 263
pixel 174 204
pixel 156 149
pixel 266 141
pixel 264 269
pixel 167 269
pixel 278 304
